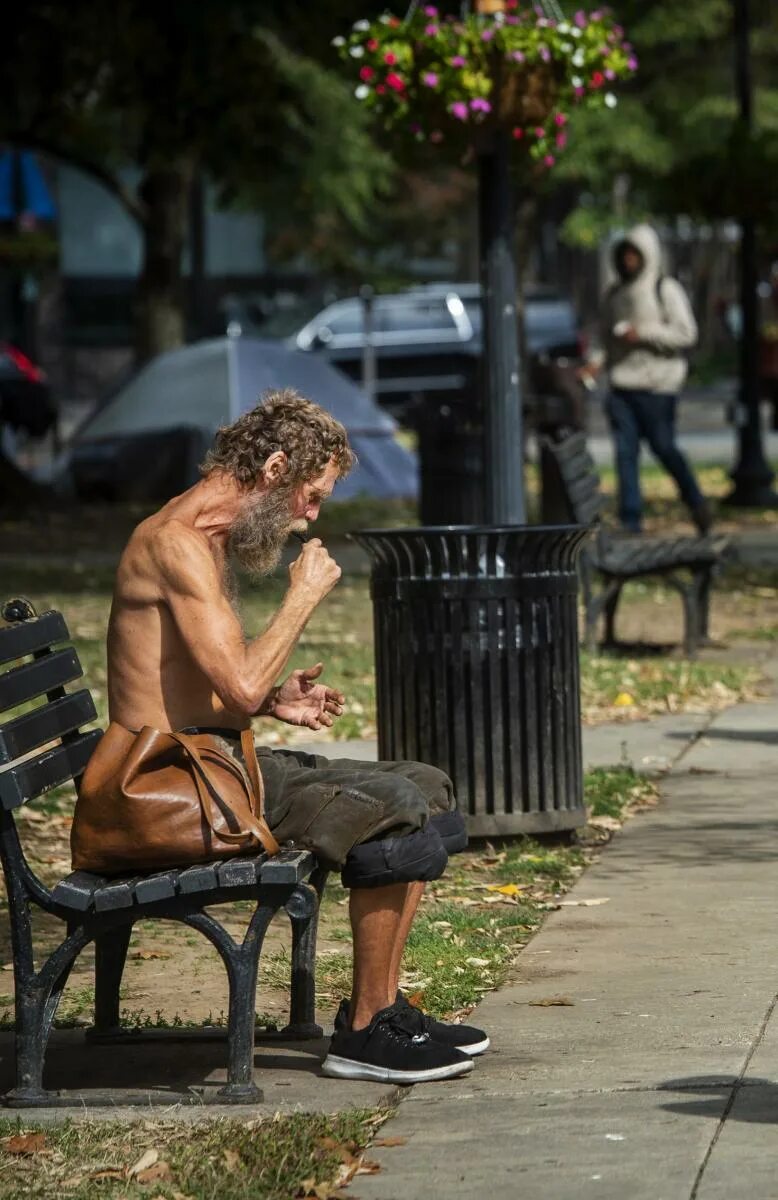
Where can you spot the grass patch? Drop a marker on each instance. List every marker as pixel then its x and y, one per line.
pixel 272 1158
pixel 610 791
pixel 612 685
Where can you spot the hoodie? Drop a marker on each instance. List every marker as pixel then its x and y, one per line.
pixel 659 309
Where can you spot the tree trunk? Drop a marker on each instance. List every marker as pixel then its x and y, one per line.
pixel 160 314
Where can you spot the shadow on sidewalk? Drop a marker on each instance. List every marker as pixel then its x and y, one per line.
pixel 769 737
pixel 756 1100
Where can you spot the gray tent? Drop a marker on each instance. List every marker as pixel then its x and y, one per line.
pixel 146 440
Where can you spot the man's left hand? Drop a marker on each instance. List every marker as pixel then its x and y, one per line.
pixel 302 701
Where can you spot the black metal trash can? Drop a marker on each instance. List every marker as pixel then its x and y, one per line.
pixel 476 647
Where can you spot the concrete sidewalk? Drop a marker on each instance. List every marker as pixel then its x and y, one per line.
pixel 659 1081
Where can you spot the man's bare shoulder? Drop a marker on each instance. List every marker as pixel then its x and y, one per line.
pixel 170 553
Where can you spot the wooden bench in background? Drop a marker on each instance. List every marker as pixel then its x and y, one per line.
pixel 571 488
pixel 43 748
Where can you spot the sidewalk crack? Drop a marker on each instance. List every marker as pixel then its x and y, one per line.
pixel 737 1085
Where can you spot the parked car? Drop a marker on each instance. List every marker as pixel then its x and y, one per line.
pixel 428 342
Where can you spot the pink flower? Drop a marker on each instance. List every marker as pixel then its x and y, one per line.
pixel 518 132
pixel 549 160
pixel 580 19
pixel 598 79
pixel 560 119
pixel 458 61
pixel 480 105
pixel 609 74
pixel 390 59
pixel 380 89
pixel 487 35
pixel 540 131
pixel 561 140
pixel 395 82
pixel 511 20
pixel 372 44
pixel 430 11
pixel 459 110
pixel 632 63
pixel 431 30
pixel 579 92
pixel 366 74
pixel 430 79
pixel 517 56
pixel 545 53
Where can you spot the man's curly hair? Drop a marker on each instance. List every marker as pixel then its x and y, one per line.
pixel 283 420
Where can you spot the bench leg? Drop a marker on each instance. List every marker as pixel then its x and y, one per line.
pixel 242 963
pixel 704 584
pixel 37 998
pixel 689 594
pixel 607 598
pixel 613 596
pixel 110 957
pixel 303 909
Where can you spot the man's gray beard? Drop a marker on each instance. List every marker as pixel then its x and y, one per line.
pixel 260 530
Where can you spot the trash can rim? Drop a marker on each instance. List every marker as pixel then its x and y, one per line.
pixel 477 529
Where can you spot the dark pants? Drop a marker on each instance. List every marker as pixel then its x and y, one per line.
pixel 637 416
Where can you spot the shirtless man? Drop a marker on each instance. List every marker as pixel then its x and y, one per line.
pixel 178 659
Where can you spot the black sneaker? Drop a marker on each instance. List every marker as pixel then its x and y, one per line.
pixel 391 1049
pixel 466 1038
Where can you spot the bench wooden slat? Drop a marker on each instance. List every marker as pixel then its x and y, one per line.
pixel 23 734
pixel 42 675
pixel 239 872
pixel 162 886
pixel 290 866
pixel 16 641
pixel 77 890
pixel 47 770
pixel 200 878
pixel 116 893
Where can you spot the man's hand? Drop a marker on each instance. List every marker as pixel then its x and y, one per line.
pixel 626 333
pixel 315 572
pixel 302 701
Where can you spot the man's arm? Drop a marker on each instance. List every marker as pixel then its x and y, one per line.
pixel 679 330
pixel 241 673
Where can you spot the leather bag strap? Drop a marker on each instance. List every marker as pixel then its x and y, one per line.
pixel 206 786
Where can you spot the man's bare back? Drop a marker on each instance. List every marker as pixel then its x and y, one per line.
pixel 177 655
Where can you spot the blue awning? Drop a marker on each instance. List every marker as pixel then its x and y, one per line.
pixel 23 189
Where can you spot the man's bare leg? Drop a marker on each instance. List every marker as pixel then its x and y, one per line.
pixel 380 920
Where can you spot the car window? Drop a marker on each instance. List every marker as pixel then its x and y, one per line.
pixel 414 317
pixel 343 319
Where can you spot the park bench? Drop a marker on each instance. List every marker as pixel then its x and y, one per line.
pixel 44 748
pixel 571 488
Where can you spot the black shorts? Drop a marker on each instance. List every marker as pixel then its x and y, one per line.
pixel 377 822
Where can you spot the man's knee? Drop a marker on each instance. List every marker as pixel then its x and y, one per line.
pixel 438 791
pixel 397 858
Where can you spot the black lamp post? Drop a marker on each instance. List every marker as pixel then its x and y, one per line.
pixel 752 475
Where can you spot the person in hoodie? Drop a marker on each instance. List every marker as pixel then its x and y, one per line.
pixel 647 329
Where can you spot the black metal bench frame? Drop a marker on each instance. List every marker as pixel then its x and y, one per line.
pixel 571 492
pixel 44 748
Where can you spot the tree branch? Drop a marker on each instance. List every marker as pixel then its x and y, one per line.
pixel 129 200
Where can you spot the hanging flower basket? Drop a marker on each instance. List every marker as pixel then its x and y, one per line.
pixel 454 82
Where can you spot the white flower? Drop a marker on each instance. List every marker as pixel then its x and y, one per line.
pixel 362 92
pixel 566 47
pixel 361 26
pixel 563 27
pixel 579 58
pixel 576 81
pixel 610 100
pixel 575 31
pixel 357 51
pixel 338 41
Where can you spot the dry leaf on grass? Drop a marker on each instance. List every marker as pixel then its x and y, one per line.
pixel 108 1173
pixel 391 1141
pixel 149 954
pixel 146 1160
pixel 505 889
pixel 368 1167
pixel 232 1159
pixel 159 1172
pixel 552 1002
pixel 24 1143
pixel 605 823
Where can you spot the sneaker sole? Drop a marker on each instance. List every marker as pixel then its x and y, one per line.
pixel 350 1068
pixel 476 1047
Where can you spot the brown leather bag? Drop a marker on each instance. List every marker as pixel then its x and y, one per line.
pixel 150 800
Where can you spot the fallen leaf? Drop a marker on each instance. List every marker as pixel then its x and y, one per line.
pixel 158 1172
pixel 149 954
pixel 391 1141
pixel 24 1143
pixel 368 1167
pixel 108 1173
pixel 232 1159
pixel 624 700
pixel 505 889
pixel 146 1160
pixel 605 823
pixel 553 1002
pixel 478 962
pixel 583 903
